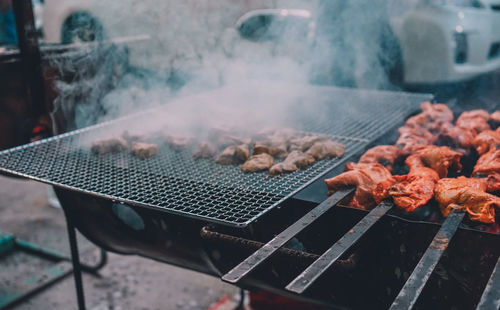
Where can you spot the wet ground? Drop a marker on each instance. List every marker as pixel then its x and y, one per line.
pixel 130 282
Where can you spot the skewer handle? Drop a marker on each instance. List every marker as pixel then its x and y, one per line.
pixel 410 292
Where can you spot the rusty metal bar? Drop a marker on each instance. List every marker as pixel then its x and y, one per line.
pixel 325 261
pixel 410 292
pixel 260 256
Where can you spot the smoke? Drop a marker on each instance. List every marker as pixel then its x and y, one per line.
pixel 194 48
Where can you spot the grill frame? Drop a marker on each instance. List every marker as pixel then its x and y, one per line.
pixel 356 140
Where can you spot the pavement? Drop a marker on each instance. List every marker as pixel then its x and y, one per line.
pixel 126 282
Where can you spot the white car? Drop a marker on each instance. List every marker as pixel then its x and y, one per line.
pixel 439 41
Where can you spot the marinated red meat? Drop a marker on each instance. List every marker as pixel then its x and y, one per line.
pixel 414 189
pixel 385 155
pixel 411 138
pixel 468 195
pixel 432 117
pixel 475 120
pixel 371 181
pixel 455 137
pixel 438 158
pixel 486 141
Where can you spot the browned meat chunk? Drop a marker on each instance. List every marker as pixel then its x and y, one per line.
pixel 109 145
pixel 294 161
pixel 469 195
pixel 144 150
pixel 438 158
pixel 133 137
pixel 475 120
pixel 385 155
pixel 326 149
pixel 304 143
pixel 204 150
pixel 178 143
pixel 258 163
pixel 486 141
pixel 233 155
pixel 279 150
pixel 372 182
pixel 283 167
pixel 495 116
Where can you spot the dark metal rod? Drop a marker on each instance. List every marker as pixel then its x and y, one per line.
pixel 316 269
pixel 491 294
pixel 410 292
pixel 77 272
pixel 261 255
pixel 30 53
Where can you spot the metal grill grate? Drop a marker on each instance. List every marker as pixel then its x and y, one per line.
pixel 174 182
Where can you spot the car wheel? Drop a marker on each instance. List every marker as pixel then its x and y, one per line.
pixel 81 27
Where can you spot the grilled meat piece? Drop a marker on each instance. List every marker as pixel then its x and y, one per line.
pixel 432 117
pixel 455 137
pixel 301 160
pixel 486 141
pixel 372 182
pixel 204 150
pixel 326 149
pixel 438 158
pixel 488 168
pixel 258 162
pixel 385 155
pixel 233 155
pixel 487 164
pixel 294 161
pixel 495 116
pixel 304 143
pixel 469 195
pixel 283 167
pixel 475 120
pixel 133 137
pixel 144 150
pixel 178 143
pixel 109 145
pixel 267 147
pixel 411 138
pixel 414 189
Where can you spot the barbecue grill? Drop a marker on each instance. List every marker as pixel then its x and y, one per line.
pixel 217 220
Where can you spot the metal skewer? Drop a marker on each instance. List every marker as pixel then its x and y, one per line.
pixel 491 294
pixel 316 269
pixel 410 292
pixel 261 255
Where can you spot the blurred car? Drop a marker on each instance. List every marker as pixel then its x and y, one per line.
pixel 439 41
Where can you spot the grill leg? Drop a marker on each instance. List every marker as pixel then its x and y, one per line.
pixel 77 272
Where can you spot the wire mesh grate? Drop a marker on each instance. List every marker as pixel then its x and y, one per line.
pixel 175 182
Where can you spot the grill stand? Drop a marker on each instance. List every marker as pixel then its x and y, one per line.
pixel 77 266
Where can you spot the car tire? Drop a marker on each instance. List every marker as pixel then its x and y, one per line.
pixel 81 27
